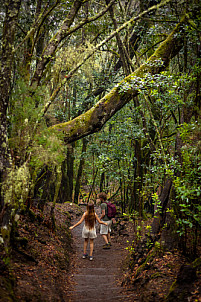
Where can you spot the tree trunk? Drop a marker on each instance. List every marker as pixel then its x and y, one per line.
pixel 64 188
pixel 56 193
pixel 122 50
pixel 160 216
pixel 136 201
pixel 80 169
pixel 12 8
pixel 93 184
pixel 139 179
pixel 70 161
pixel 102 181
pixel 48 188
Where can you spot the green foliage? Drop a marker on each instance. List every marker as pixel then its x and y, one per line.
pixel 27 136
pixel 157 203
pixel 47 149
pixel 187 184
pixel 23 115
pixel 130 247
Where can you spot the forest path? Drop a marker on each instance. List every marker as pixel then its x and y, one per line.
pixel 98 280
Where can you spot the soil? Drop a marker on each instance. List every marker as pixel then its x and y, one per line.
pixel 47 265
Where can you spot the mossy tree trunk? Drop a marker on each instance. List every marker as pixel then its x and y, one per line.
pixel 67 174
pixel 160 214
pixel 70 174
pixel 102 181
pixel 138 178
pixel 122 49
pixel 80 170
pixel 64 188
pixel 12 8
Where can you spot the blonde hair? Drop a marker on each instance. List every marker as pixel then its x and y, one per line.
pixel 90 218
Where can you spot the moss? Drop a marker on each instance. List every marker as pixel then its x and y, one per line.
pixel 32 215
pixel 156 275
pixel 197 263
pixel 62 260
pixel 170 265
pixel 175 295
pixel 6 289
pixel 147 260
pixel 68 214
pixel 173 286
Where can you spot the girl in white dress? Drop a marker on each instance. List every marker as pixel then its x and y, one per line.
pixel 89 229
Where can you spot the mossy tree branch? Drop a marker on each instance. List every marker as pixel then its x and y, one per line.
pixel 124 57
pixel 76 68
pixel 114 33
pixel 39 21
pixel 64 31
pixel 95 118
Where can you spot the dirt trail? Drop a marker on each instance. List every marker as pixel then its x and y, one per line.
pixel 98 280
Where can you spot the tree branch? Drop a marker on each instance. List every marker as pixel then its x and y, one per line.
pixel 37 25
pixel 61 34
pixel 114 33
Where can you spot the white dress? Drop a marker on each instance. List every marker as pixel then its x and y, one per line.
pixel 89 233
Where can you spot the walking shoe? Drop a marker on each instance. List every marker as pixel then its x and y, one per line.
pixel 90 258
pixel 85 256
pixel 110 244
pixel 106 246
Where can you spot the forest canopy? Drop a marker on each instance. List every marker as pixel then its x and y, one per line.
pixel 104 95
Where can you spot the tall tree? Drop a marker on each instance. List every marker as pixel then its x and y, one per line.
pixel 6 53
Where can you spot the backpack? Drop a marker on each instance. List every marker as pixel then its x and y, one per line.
pixel 111 210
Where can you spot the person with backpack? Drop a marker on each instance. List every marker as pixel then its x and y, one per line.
pixel 89 229
pixel 108 211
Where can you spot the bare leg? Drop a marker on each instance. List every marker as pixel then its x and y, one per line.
pixel 109 237
pixel 91 247
pixel 85 244
pixel 105 238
